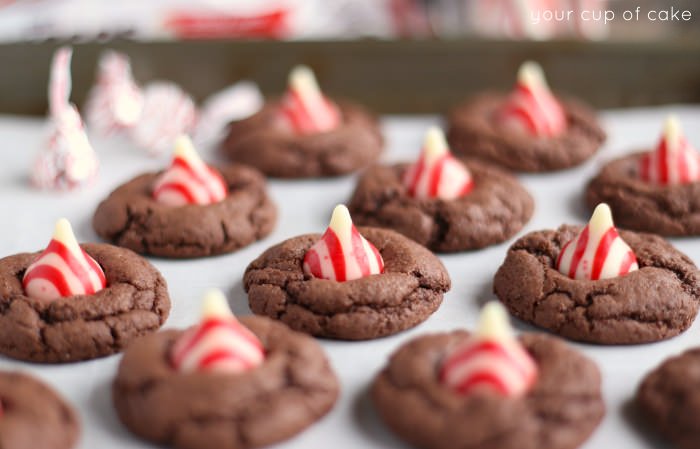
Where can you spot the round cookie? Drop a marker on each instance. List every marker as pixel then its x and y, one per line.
pixel 32 415
pixel 134 303
pixel 293 388
pixel 658 301
pixel 266 142
pixel 131 218
pixel 669 398
pixel 495 210
pixel 643 206
pixel 408 291
pixel 560 411
pixel 473 131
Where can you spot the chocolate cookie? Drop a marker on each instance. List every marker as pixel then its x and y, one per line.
pixel 669 397
pixel 560 411
pixel 495 210
pixel 131 218
pixel 473 131
pixel 658 301
pixel 408 291
pixel 293 388
pixel 135 302
pixel 33 416
pixel 265 142
pixel 644 206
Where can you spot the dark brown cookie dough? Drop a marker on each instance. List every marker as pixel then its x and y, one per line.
pixel 293 388
pixel 658 301
pixel 644 206
pixel 131 218
pixel 473 131
pixel 669 398
pixel 406 294
pixel 34 416
pixel 495 210
pixel 134 303
pixel 265 142
pixel 560 411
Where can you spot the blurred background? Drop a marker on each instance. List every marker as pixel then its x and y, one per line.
pixel 397 56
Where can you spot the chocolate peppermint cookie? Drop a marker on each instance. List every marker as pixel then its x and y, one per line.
pixel 33 415
pixel 465 204
pixel 189 210
pixel 347 284
pixel 305 135
pixel 77 302
pixel 587 284
pixel 455 390
pixel 224 384
pixel 669 398
pixel 530 130
pixel 655 190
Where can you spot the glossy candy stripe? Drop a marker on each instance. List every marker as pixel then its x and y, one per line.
pixel 598 252
pixel 220 343
pixel 437 174
pixel 305 107
pixel 674 161
pixel 63 269
pixel 490 359
pixel 342 254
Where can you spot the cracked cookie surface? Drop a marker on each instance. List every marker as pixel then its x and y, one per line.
pixel 561 410
pixel 293 388
pixel 135 302
pixel 264 142
pixel 408 291
pixel 131 218
pixel 658 301
pixel 669 398
pixel 474 132
pixel 644 206
pixel 495 210
pixel 34 415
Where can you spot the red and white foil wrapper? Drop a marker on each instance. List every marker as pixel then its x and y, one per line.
pixel 235 102
pixel 167 112
pixel 68 160
pixel 437 174
pixel 532 108
pixel 115 102
pixel 674 161
pixel 188 180
pixel 491 359
pixel 342 254
pixel 598 252
pixel 304 106
pixel 63 269
pixel 220 343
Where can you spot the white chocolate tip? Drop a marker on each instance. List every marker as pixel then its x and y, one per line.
pixel 672 130
pixel 341 222
pixel 601 220
pixel 531 74
pixel 63 232
pixel 302 79
pixel 215 305
pixel 494 322
pixel 435 143
pixel 184 148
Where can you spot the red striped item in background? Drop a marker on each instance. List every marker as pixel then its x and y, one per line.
pixel 304 106
pixel 674 161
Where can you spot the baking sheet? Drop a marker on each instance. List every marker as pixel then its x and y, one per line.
pixel 28 217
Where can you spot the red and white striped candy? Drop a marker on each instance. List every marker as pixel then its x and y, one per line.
pixel 115 102
pixel 674 161
pixel 342 254
pixel 220 343
pixel 532 108
pixel 598 252
pixel 63 269
pixel 437 174
pixel 491 359
pixel 167 112
pixel 305 107
pixel 188 180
